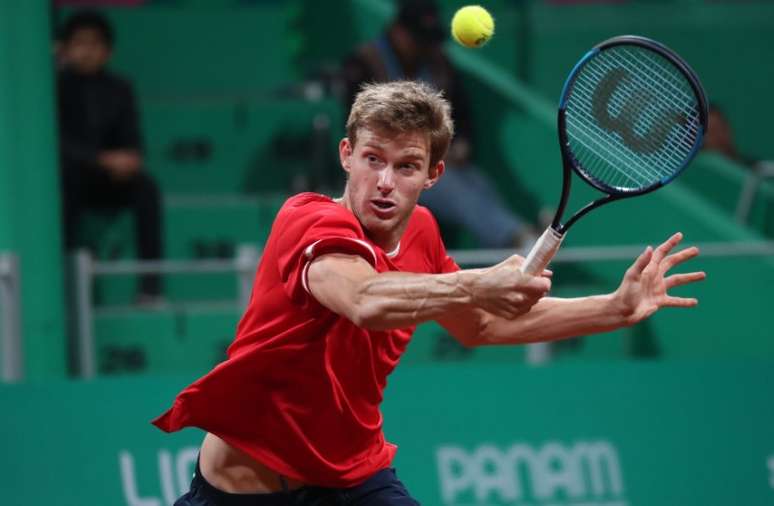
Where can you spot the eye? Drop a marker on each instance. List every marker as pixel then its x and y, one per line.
pixel 408 167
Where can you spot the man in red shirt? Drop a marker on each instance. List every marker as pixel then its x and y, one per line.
pixel 292 416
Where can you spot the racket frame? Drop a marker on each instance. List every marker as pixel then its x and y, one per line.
pixel 570 162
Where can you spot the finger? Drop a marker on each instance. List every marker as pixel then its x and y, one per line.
pixel 521 310
pixel 547 273
pixel 538 286
pixel 667 246
pixel 683 279
pixel 680 302
pixel 642 261
pixel 680 257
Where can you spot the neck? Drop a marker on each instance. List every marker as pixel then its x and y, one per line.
pixel 387 241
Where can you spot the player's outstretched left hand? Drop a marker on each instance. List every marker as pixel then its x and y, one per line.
pixel 643 290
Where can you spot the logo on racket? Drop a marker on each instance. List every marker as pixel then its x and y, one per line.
pixel 632 108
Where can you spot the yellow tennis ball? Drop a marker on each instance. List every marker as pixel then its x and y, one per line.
pixel 472 26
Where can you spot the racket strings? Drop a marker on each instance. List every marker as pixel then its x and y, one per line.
pixel 603 167
pixel 628 93
pixel 596 162
pixel 646 126
pixel 662 80
pixel 601 140
pixel 601 144
pixel 627 96
pixel 618 101
pixel 623 98
pixel 680 87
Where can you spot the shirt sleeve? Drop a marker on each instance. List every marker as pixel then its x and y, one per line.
pixel 309 234
pixel 443 263
pixel 446 263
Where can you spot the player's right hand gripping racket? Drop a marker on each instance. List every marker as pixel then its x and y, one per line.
pixel 632 115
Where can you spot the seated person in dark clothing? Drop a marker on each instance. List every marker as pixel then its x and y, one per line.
pixel 100 146
pixel 411 48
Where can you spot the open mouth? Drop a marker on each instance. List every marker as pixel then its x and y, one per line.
pixel 383 205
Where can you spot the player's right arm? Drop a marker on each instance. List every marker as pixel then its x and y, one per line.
pixel 349 286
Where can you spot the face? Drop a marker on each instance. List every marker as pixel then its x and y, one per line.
pixel 86 51
pixel 386 174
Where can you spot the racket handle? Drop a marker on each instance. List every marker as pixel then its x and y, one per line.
pixel 542 252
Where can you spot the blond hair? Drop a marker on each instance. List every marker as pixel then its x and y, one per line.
pixel 402 107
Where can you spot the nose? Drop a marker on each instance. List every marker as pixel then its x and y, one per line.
pixel 386 181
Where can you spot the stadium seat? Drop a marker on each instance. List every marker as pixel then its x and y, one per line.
pixel 163 341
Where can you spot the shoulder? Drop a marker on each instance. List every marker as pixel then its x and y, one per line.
pixel 306 209
pixel 309 203
pixel 309 225
pixel 423 228
pixel 424 220
pixel 425 239
pixel 421 247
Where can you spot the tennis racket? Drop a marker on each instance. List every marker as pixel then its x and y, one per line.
pixel 632 115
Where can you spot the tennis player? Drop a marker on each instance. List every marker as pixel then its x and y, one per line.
pixel 292 416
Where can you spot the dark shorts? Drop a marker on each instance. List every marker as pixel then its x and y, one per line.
pixel 382 489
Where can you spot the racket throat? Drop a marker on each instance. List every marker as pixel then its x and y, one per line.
pixel 589 207
pixel 566 174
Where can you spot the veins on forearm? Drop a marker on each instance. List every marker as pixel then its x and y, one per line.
pixel 556 318
pixel 415 297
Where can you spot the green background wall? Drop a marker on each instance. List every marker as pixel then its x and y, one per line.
pixel 29 191
pixel 639 435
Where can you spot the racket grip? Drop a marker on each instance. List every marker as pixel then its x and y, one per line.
pixel 542 252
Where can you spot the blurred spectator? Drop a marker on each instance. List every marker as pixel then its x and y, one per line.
pixel 100 146
pixel 411 48
pixel 720 137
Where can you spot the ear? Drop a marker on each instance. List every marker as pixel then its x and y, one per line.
pixel 435 173
pixel 345 153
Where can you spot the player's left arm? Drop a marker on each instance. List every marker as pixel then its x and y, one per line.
pixel 643 291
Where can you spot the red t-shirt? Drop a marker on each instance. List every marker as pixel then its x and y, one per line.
pixel 301 388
